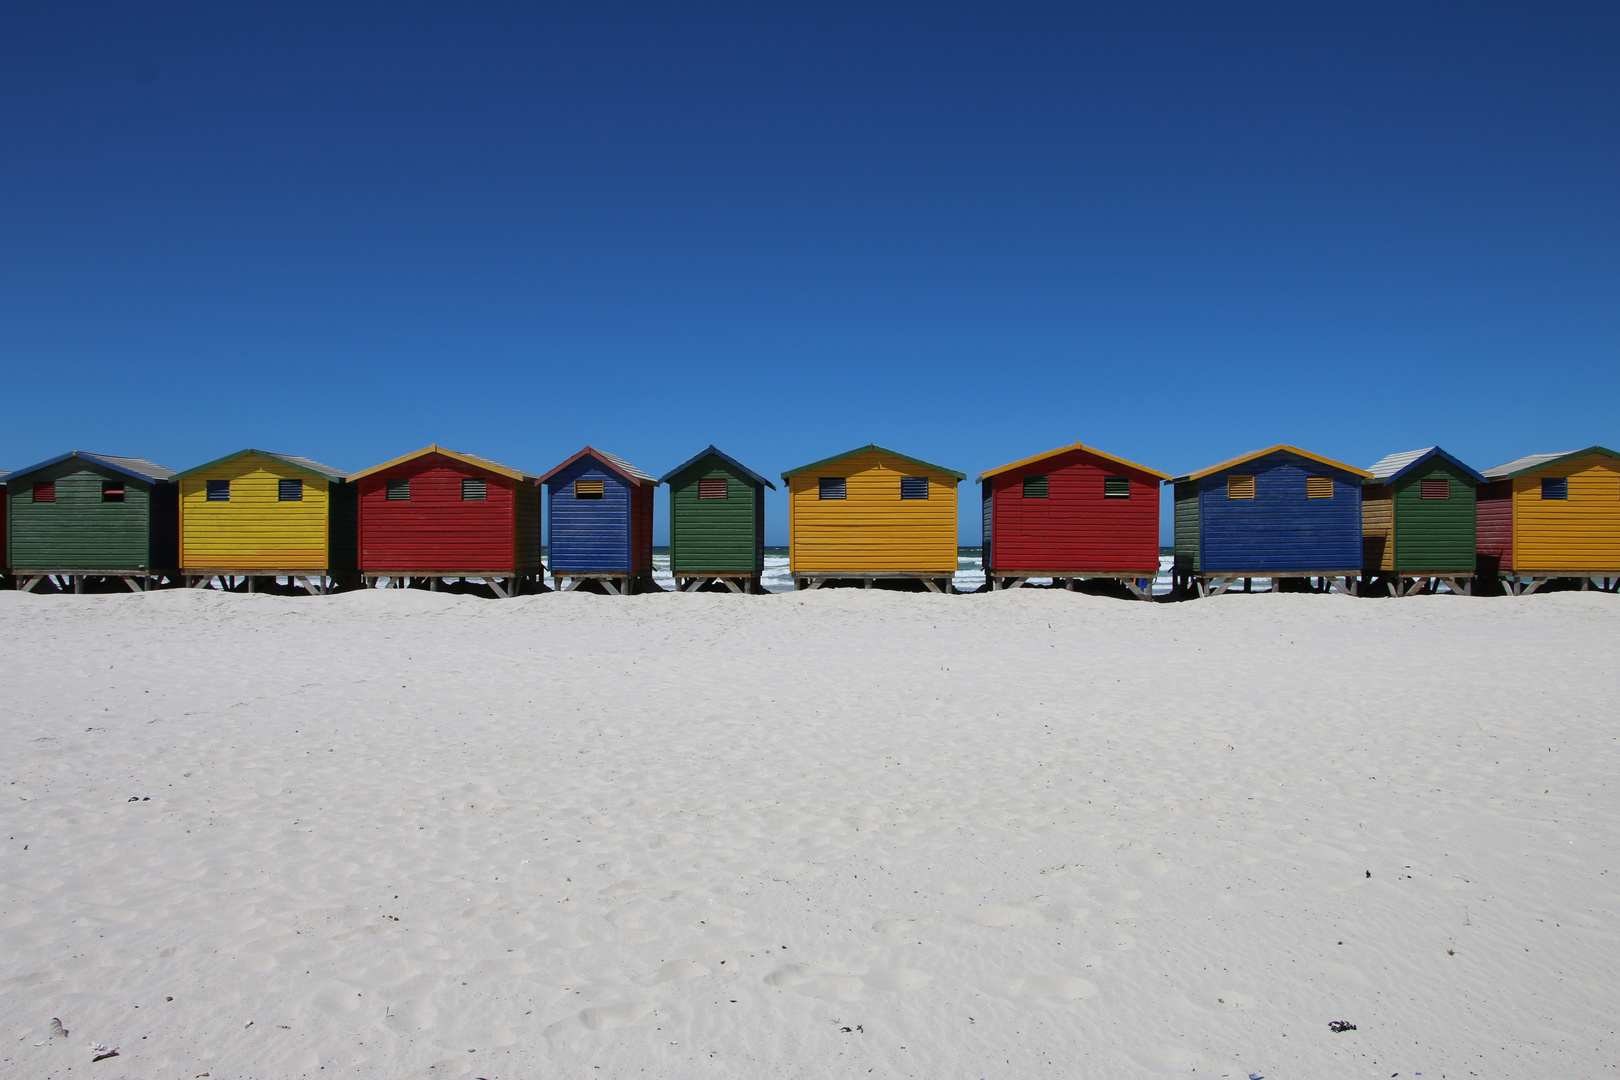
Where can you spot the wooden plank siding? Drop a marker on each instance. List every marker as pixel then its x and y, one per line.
pixel 1493 517
pixel 1076 528
pixel 1434 536
pixel 1579 533
pixel 872 530
pixel 715 535
pixel 80 531
pixel 1187 533
pixel 436 530
pixel 1280 530
pixel 255 530
pixel 1378 528
pixel 609 535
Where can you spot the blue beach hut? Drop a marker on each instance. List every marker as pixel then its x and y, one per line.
pixel 1281 513
pixel 599 514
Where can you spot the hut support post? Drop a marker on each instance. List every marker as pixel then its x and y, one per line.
pixel 933 586
pixel 500 587
pixel 1535 583
pixel 129 583
pixel 33 581
pixel 731 583
pixel 1136 587
pixel 1346 585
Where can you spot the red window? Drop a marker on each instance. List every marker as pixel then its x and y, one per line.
pixel 45 491
pixel 712 487
pixel 1439 488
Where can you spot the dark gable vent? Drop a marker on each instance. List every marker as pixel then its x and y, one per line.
pixel 713 487
pixel 289 491
pixel 831 487
pixel 219 491
pixel 1035 487
pixel 1434 488
pixel 398 490
pixel 1116 487
pixel 914 487
pixel 474 489
pixel 112 491
pixel 45 491
pixel 1555 487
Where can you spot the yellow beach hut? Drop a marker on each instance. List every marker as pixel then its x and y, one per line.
pixel 871 515
pixel 1550 516
pixel 257 515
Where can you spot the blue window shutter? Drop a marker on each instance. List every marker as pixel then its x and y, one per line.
pixel 914 487
pixel 290 490
pixel 219 491
pixel 831 487
pixel 1555 487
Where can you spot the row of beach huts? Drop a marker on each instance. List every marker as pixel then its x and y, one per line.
pixel 1421 520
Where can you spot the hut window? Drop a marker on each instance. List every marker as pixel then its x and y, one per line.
pixel 112 491
pixel 1555 487
pixel 289 491
pixel 713 487
pixel 219 491
pixel 44 491
pixel 474 489
pixel 1319 487
pixel 1240 487
pixel 397 490
pixel 1035 487
pixel 914 487
pixel 587 489
pixel 1116 487
pixel 1435 488
pixel 830 487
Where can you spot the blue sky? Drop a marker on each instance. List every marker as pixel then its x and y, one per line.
pixel 1178 231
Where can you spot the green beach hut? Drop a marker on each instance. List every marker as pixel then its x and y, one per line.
pixel 94 519
pixel 1418 522
pixel 716 523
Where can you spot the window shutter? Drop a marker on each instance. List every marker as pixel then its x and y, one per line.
pixel 112 491
pixel 1319 487
pixel 45 491
pixel 831 487
pixel 474 489
pixel 713 487
pixel 1555 487
pixel 398 490
pixel 1116 487
pixel 588 489
pixel 1240 487
pixel 289 491
pixel 219 491
pixel 1036 487
pixel 1435 488
pixel 914 487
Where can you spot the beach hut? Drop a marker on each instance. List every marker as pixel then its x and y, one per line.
pixel 1552 516
pixel 599 512
pixel 1281 513
pixel 436 514
pixel 870 515
pixel 254 514
pixel 1069 514
pixel 80 518
pixel 1417 522
pixel 716 522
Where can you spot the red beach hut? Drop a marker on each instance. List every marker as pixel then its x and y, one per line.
pixel 1072 513
pixel 437 514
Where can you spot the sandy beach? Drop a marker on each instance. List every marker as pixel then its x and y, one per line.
pixel 831 834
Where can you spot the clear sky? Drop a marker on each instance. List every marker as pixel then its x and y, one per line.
pixel 1178 231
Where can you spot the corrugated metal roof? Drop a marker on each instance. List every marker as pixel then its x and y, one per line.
pixel 1526 464
pixel 617 464
pixel 1394 465
pixel 723 456
pixel 139 468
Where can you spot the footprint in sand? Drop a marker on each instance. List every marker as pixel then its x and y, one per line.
pixel 604 1017
pixel 674 969
pixel 808 980
pixel 1046 990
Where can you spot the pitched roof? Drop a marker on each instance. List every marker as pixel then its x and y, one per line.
pixel 1394 466
pixel 872 448
pixel 1280 448
pixel 306 464
pixel 466 459
pixel 1067 449
pixel 1520 466
pixel 723 456
pixel 617 464
pixel 139 468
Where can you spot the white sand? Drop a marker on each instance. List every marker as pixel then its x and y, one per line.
pixel 833 834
